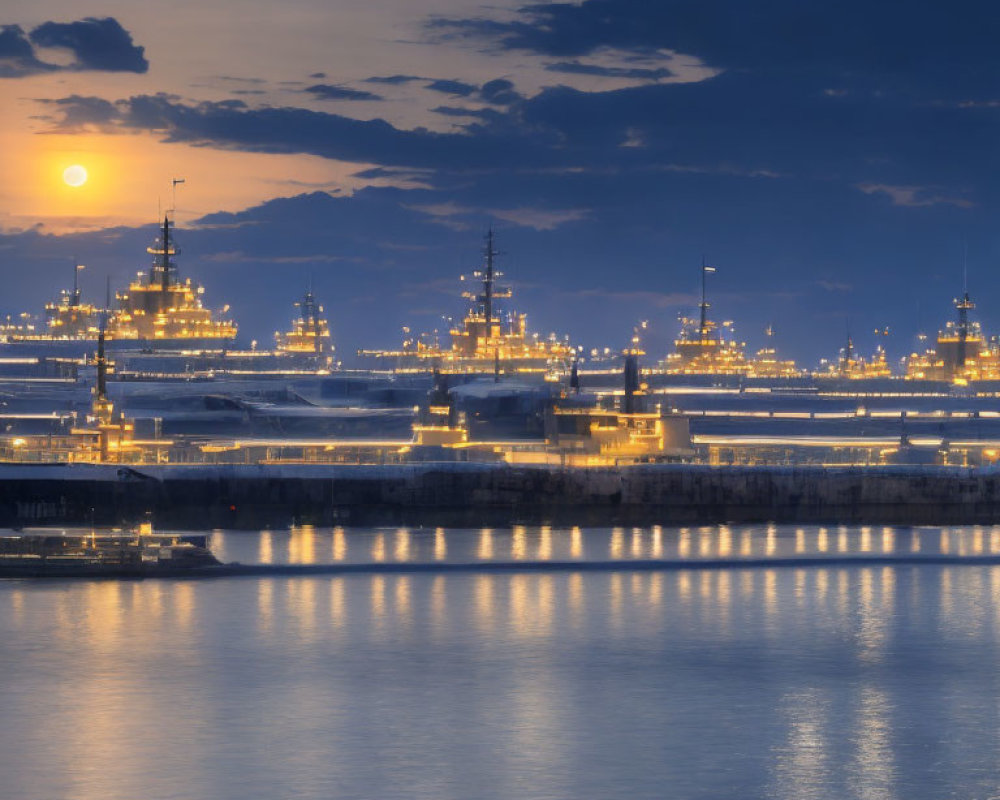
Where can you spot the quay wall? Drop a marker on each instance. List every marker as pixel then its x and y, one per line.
pixel 476 495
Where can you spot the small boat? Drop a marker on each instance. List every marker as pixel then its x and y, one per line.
pixel 72 553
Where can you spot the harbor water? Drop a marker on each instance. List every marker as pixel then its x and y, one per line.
pixel 870 679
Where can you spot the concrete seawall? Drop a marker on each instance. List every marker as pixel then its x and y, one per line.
pixel 476 495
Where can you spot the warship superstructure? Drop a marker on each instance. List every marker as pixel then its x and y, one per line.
pixel 310 333
pixel 156 310
pixel 704 347
pixel 961 352
pixel 160 307
pixel 488 340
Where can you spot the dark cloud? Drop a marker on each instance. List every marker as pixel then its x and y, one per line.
pixel 393 80
pixel 452 87
pixel 923 48
pixel 297 130
pixel 500 92
pixel 17 56
pixel 325 91
pixel 97 44
pixel 318 76
pixel 81 112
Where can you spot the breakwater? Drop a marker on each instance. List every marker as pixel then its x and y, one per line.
pixel 476 495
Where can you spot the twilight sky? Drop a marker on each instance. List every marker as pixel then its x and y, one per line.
pixel 833 160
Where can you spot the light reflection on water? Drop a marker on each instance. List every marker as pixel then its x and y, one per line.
pixel 308 545
pixel 868 681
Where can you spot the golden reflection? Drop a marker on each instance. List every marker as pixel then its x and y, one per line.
pixel 378 547
pixel 378 597
pixel 307 548
pixel 800 588
pixel 705 585
pixel 105 610
pixel 339 544
pixel 705 542
pixel 947 597
pixel 17 606
pixel 440 545
pixel 888 540
pixel 403 597
pixel 302 598
pixel 546 604
pixel 402 545
pixel 725 594
pixel 977 540
pixel 484 600
pixel 183 602
pixel 684 543
pixel 866 540
pixel 842 540
pixel 617 545
pixel 822 583
pixel 843 592
pixel 770 593
pixel 684 586
pixel 800 540
pixel 576 543
pixel 266 550
pixel 746 543
pixel 657 541
pixel 265 604
pixel 944 541
pixel 995 539
pixel 725 541
pixel 636 551
pixel 439 601
pixel 915 542
pixel 616 593
pixel 576 598
pixel 545 544
pixel 486 544
pixel 337 590
pixel 519 603
pixel 656 590
pixel 746 584
pixel 771 540
pixel 821 540
pixel 519 544
pixel 636 584
pixel 874 618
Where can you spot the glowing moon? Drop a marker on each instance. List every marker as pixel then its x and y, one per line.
pixel 75 175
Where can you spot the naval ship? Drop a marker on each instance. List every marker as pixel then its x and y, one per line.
pixel 961 353
pixel 158 310
pixel 488 340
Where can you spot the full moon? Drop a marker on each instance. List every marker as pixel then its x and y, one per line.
pixel 75 175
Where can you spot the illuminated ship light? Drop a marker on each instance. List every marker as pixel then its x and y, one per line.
pixel 310 333
pixel 488 340
pixel 162 307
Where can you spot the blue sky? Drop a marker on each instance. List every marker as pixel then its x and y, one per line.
pixel 833 161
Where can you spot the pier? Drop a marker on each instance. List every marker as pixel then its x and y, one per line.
pixel 468 494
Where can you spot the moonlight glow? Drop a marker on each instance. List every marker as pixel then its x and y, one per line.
pixel 75 175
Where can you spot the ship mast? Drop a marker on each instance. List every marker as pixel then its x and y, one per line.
pixel 963 306
pixel 161 251
pixel 489 280
pixel 704 305
pixel 74 300
pixel 848 351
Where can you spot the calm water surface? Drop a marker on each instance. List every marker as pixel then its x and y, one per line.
pixel 819 682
